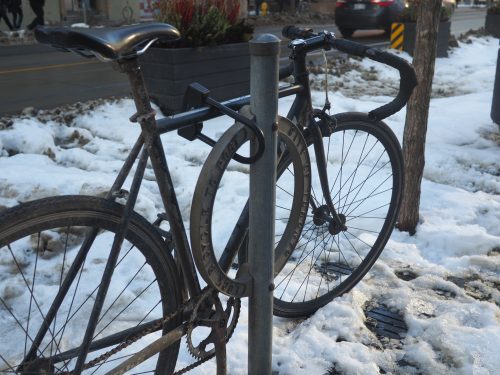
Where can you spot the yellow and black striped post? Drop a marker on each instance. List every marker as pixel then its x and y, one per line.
pixel 397 34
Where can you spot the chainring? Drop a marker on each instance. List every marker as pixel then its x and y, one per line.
pixel 208 312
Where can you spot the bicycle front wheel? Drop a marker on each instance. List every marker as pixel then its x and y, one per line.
pixel 42 249
pixel 365 173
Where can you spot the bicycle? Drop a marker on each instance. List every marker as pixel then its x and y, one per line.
pixel 135 282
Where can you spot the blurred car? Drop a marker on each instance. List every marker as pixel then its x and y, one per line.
pixel 352 15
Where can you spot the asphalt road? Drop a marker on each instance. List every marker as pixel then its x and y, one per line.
pixel 42 77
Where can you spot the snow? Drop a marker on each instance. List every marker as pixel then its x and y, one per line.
pixel 452 328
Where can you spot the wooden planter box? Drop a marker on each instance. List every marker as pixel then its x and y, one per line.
pixel 224 70
pixel 492 24
pixel 410 35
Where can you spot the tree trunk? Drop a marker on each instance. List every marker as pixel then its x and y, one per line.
pixel 417 114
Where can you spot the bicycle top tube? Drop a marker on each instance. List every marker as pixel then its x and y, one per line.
pixel 183 119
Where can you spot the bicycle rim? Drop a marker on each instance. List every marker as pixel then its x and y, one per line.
pixel 39 241
pixel 365 177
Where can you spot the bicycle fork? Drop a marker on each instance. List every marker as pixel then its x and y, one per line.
pixel 324 213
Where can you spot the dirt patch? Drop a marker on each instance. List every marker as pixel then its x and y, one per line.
pixel 61 115
pixel 480 287
pixel 406 274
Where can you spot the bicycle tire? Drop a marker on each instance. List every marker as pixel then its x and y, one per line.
pixel 38 241
pixel 213 260
pixel 325 265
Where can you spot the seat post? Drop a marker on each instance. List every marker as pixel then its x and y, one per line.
pixel 132 69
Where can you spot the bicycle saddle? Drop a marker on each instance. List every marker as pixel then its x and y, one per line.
pixel 110 43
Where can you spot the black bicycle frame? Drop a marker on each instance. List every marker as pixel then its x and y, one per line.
pixel 149 147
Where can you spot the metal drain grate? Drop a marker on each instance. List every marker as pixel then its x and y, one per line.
pixel 333 270
pixel 387 323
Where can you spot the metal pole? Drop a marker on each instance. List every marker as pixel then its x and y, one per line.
pixel 264 54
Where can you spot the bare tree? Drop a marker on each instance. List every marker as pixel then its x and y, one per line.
pixel 428 16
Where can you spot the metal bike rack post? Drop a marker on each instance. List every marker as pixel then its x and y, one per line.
pixel 264 53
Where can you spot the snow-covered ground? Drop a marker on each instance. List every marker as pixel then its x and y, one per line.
pixel 444 281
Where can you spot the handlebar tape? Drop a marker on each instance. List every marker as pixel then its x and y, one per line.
pixel 408 78
pixel 352 48
pixel 408 81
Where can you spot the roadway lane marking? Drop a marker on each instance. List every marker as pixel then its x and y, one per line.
pixel 42 68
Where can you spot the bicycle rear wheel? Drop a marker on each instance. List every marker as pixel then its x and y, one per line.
pixel 365 173
pixel 39 243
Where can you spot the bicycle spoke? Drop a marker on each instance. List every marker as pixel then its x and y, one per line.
pixel 341 186
pixel 326 262
pixel 342 162
pixel 61 280
pixel 364 199
pixel 302 259
pixel 121 293
pixel 32 299
pixel 308 274
pixel 367 178
pixel 16 319
pixel 6 362
pixel 313 263
pixel 364 230
pixel 89 296
pixel 362 216
pixel 280 188
pixel 125 308
pixel 359 239
pixel 354 248
pixel 355 171
pixel 371 196
pixel 304 246
pixel 71 304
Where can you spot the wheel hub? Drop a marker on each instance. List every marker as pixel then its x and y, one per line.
pixel 335 228
pixel 321 215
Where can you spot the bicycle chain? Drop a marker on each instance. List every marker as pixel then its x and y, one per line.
pixel 103 357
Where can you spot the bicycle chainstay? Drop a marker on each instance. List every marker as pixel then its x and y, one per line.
pixel 184 307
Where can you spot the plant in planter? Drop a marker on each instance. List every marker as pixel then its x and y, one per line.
pixel 409 17
pixel 492 24
pixel 212 51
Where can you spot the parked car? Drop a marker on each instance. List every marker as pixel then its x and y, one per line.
pixel 352 15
